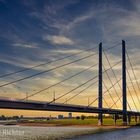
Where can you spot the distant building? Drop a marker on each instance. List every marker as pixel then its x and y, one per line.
pixel 60 116
pixel 70 115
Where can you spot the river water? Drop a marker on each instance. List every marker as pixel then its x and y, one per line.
pixel 52 133
pixel 125 134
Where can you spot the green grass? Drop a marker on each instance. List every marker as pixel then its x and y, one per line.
pixel 106 121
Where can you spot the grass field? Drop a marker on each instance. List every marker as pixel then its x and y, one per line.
pixel 106 121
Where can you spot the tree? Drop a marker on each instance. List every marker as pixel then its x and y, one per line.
pixel 83 117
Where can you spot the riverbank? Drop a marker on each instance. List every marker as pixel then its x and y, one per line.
pixel 66 122
pixel 74 125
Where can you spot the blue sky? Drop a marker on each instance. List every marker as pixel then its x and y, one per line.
pixel 36 31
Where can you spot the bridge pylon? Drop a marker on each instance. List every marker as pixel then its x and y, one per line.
pixel 124 91
pixel 100 90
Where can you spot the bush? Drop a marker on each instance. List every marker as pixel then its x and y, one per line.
pixel 77 117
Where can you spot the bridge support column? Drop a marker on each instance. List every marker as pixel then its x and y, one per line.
pixel 100 116
pixel 124 94
pixel 115 118
pixel 136 118
pixel 129 119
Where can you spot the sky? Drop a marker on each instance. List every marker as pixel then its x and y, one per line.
pixel 33 32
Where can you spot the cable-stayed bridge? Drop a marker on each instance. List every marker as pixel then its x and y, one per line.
pixel 111 93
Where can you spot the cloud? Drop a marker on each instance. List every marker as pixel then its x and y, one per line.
pixel 25 45
pixel 128 26
pixel 67 51
pixel 64 27
pixel 59 40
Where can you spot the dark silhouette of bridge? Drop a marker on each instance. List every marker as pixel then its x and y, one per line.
pixel 27 104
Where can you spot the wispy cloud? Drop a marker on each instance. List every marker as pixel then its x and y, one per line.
pixel 24 45
pixel 59 40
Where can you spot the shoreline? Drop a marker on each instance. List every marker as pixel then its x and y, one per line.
pixel 69 122
pixel 74 125
pixel 38 124
pixel 31 124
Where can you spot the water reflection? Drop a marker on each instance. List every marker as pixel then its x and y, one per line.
pixel 126 134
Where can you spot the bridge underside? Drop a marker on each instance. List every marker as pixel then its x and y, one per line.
pixel 44 106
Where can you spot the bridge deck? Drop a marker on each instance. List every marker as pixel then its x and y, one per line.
pixel 44 106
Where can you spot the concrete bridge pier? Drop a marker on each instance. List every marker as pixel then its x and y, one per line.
pixel 129 119
pixel 100 119
pixel 115 119
pixel 136 118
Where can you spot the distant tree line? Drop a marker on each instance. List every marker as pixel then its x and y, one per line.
pixel 2 117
